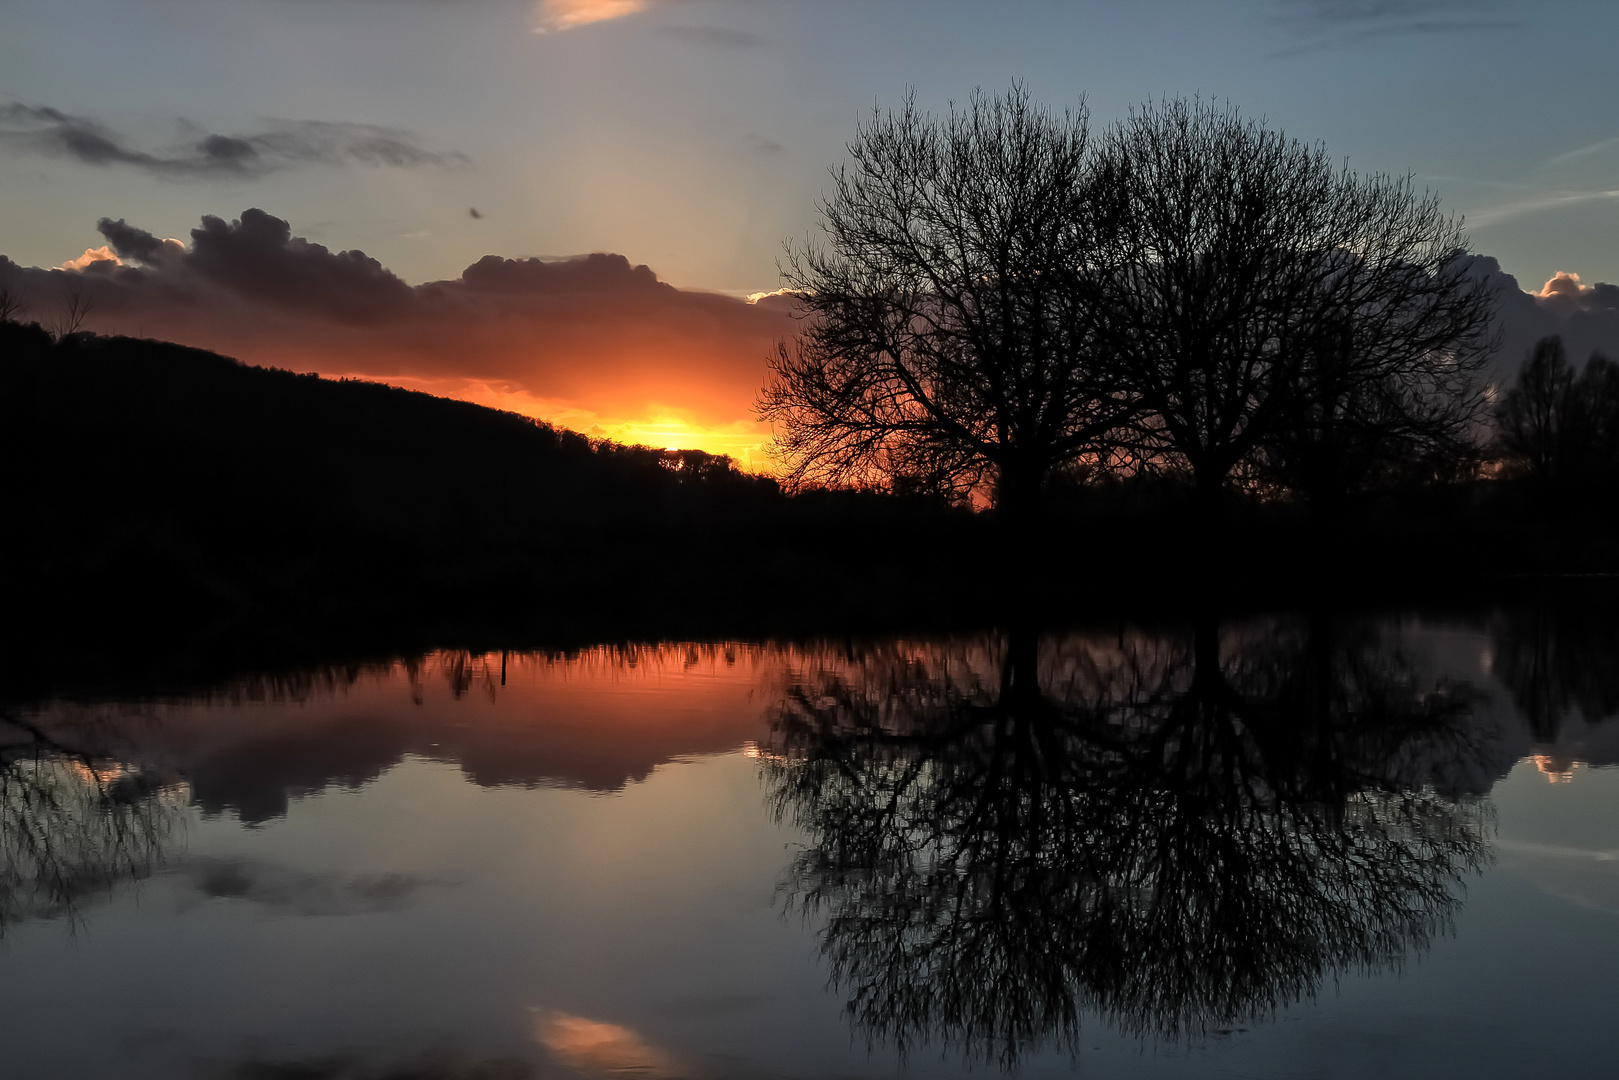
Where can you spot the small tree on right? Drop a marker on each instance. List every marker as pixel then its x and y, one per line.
pixel 1559 428
pixel 1279 320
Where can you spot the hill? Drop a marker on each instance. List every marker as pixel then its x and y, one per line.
pixel 153 484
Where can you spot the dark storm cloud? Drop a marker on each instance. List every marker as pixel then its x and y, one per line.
pixel 282 144
pixel 50 131
pixel 258 258
pixel 1585 316
pixel 596 328
pixel 131 243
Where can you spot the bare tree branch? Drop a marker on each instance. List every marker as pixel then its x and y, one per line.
pixel 948 328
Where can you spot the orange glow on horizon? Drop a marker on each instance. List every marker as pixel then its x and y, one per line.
pixel 673 428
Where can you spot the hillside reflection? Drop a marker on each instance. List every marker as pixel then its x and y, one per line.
pixel 1173 831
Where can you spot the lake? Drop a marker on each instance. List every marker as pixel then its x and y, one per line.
pixel 1269 846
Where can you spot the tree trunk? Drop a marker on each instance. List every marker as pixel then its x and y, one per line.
pixel 1210 491
pixel 1017 503
pixel 1017 498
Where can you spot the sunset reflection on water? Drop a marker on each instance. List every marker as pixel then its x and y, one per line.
pixel 652 860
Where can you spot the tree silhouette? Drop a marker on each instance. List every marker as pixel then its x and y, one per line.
pixel 73 309
pixel 1534 413
pixel 11 304
pixel 1346 435
pixel 998 298
pixel 1145 830
pixel 1265 300
pixel 1559 428
pixel 949 333
pixel 1555 659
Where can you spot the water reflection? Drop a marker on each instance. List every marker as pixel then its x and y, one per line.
pixel 1173 831
pixel 596 719
pixel 595 1049
pixel 75 823
pixel 1560 663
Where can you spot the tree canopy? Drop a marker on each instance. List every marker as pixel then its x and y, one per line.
pixel 950 332
pixel 998 298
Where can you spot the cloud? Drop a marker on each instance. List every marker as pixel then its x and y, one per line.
pixel 762 145
pixel 291 893
pixel 1579 152
pixel 1358 15
pixel 595 338
pixel 92 255
pixel 1329 23
pixel 1585 316
pixel 1360 12
pixel 137 244
pixel 259 259
pixel 557 15
pixel 723 37
pixel 592 341
pixel 1562 284
pixel 1534 204
pixel 1564 294
pixel 593 1048
pixel 282 144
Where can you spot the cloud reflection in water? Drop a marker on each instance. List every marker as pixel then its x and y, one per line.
pixel 600 1050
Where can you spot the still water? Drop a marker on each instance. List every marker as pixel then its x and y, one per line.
pixel 1268 847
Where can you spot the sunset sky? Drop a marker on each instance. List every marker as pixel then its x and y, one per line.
pixel 689 137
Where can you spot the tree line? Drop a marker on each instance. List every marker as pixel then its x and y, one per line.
pixel 1001 303
pixel 1559 428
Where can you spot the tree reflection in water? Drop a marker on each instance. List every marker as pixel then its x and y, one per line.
pixel 74 823
pixel 1170 831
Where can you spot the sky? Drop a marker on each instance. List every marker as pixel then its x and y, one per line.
pixel 692 137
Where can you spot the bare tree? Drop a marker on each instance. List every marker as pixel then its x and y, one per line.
pixel 11 304
pixel 1345 433
pixel 1264 295
pixel 1533 414
pixel 949 335
pixel 74 308
pixel 1560 428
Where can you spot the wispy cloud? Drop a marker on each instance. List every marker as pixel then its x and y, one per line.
pixel 1578 153
pixel 762 145
pixel 44 130
pixel 724 37
pixel 557 15
pixel 1331 23
pixel 1534 204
